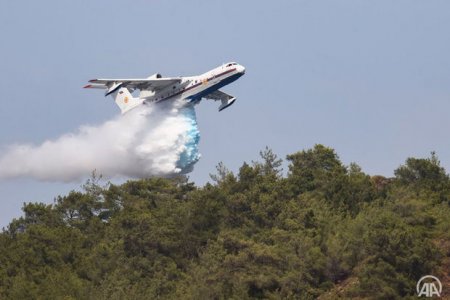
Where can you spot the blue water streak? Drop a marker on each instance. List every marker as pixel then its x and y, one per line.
pixel 191 154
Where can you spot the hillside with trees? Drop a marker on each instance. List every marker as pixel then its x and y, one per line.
pixel 324 230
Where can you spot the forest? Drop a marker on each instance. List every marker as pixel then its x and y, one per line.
pixel 317 230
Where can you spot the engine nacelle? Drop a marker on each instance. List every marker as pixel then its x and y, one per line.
pixel 155 76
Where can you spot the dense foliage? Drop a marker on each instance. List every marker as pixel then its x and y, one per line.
pixel 322 230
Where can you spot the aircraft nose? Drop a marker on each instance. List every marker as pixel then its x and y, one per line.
pixel 241 69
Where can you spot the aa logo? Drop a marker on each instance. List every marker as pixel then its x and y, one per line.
pixel 429 286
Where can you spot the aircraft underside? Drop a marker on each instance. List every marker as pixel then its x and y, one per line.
pixel 157 88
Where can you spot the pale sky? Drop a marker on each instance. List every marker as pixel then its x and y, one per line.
pixel 370 79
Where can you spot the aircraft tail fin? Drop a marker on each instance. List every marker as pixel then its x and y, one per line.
pixel 125 100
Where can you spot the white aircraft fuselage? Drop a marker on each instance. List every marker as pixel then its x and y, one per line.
pixel 157 88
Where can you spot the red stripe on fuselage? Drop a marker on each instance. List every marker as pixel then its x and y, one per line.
pixel 197 84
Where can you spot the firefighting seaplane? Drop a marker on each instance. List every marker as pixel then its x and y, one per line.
pixel 157 88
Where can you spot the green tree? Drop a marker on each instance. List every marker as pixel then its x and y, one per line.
pixel 325 230
pixel 317 168
pixel 425 174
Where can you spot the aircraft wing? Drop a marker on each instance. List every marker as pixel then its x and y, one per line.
pixel 142 84
pixel 226 99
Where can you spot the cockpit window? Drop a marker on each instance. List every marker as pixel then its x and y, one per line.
pixel 231 64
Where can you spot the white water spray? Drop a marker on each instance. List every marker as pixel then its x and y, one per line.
pixel 150 140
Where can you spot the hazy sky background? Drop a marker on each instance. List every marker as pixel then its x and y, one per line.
pixel 370 79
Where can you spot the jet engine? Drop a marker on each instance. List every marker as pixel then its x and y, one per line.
pixel 155 76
